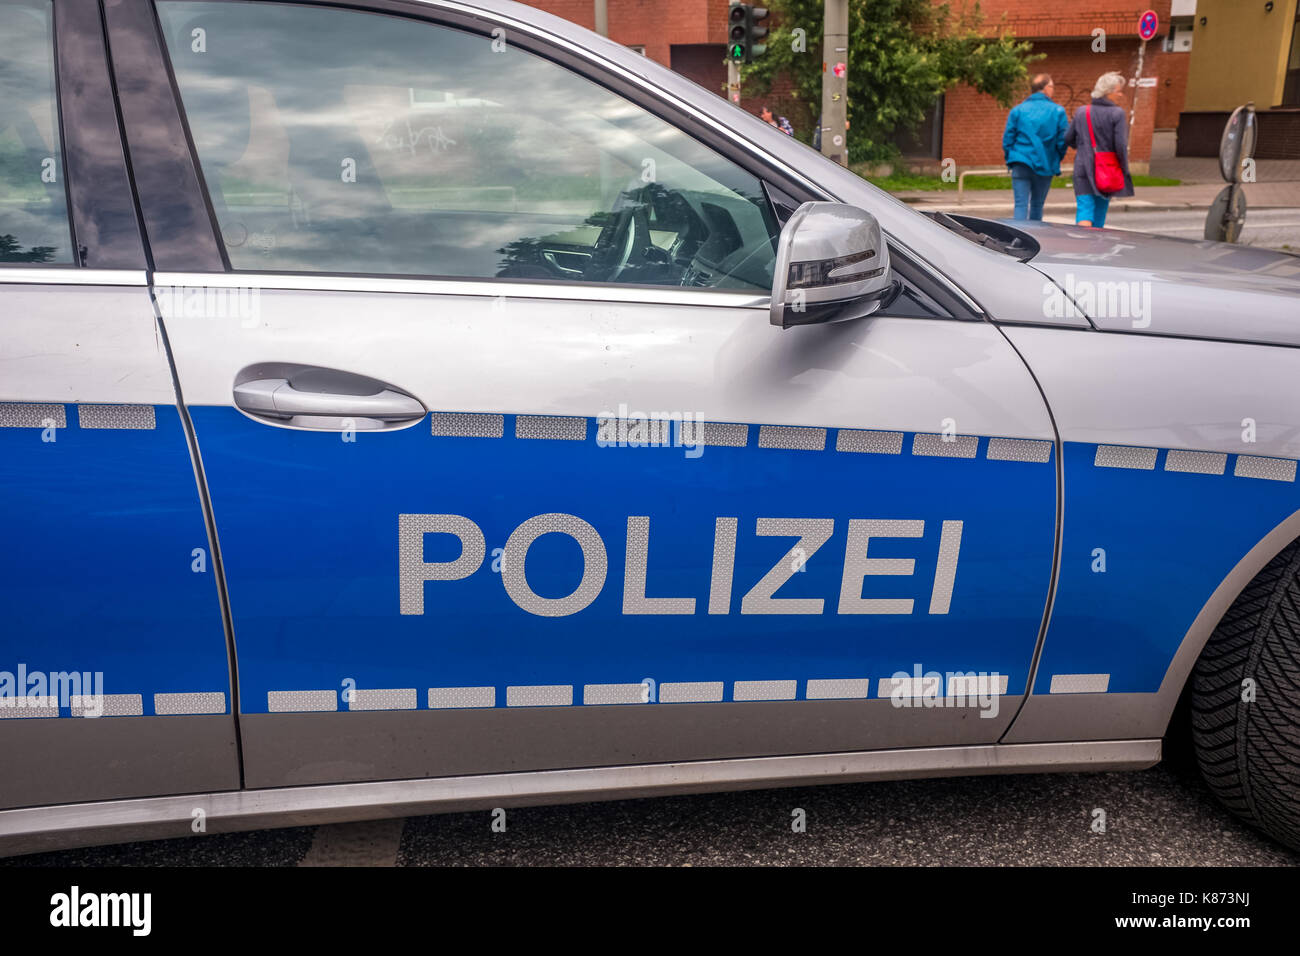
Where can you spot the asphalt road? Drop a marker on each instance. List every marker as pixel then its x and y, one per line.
pixel 1162 816
pixel 1267 228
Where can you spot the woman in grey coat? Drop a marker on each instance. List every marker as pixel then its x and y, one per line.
pixel 1110 126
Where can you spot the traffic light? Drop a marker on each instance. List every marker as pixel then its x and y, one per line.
pixel 756 16
pixel 737 16
pixel 743 32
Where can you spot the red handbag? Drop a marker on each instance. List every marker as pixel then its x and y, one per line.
pixel 1106 170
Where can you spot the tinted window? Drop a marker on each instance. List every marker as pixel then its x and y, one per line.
pixel 340 141
pixel 33 205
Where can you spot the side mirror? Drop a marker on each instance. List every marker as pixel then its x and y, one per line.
pixel 831 265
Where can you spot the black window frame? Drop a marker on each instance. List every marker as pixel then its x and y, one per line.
pixel 105 215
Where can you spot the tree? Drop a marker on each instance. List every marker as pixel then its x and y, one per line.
pixel 903 54
pixel 11 251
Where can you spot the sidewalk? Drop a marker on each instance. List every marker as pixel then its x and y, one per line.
pixel 1195 170
pixel 1260 195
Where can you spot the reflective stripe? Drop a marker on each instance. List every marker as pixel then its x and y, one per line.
pixel 24 415
pixel 764 690
pixel 388 698
pixel 957 685
pixel 869 442
pixel 1273 469
pixel 908 686
pixel 792 437
pixel 690 692
pixel 945 446
pixel 1080 683
pixel 1018 449
pixel 560 427
pixel 715 433
pixel 298 701
pixel 106 705
pixel 202 702
pixel 838 688
pixel 18 707
pixel 471 425
pixel 633 432
pixel 615 693
pixel 976 685
pixel 1196 462
pixel 446 698
pixel 1122 456
pixel 540 695
pixel 116 416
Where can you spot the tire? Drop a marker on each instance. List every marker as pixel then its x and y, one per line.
pixel 1249 751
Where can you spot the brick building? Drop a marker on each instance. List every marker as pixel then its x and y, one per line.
pixel 689 37
pixel 972 123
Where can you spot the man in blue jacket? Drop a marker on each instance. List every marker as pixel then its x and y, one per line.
pixel 1033 145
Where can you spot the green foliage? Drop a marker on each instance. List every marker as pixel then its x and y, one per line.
pixel 902 55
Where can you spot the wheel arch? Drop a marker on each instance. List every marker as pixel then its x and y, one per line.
pixel 1128 716
pixel 1184 660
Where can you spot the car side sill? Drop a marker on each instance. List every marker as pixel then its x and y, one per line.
pixel 38 829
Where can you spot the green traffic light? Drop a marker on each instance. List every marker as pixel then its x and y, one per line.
pixel 737 51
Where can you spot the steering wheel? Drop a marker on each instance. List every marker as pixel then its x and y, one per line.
pixel 618 239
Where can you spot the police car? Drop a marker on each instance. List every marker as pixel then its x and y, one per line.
pixel 413 406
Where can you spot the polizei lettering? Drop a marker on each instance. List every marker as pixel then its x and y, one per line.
pixel 809 534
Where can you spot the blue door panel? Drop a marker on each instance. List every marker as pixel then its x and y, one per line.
pixel 309 525
pixel 1169 538
pixel 97 569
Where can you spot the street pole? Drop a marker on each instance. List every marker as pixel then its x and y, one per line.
pixel 1137 84
pixel 602 17
pixel 733 81
pixel 835 81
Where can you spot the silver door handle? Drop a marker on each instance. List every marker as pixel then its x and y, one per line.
pixel 275 397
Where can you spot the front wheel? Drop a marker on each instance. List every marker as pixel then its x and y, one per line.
pixel 1245 702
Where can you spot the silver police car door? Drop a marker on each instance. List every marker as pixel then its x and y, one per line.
pixel 508 467
pixel 114 674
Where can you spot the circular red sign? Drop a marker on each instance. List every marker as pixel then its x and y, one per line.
pixel 1148 24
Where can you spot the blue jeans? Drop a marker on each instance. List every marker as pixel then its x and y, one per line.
pixel 1091 209
pixel 1030 190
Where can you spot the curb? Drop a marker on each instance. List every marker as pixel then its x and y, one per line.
pixel 1139 206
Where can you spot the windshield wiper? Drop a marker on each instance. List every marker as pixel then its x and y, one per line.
pixel 1013 246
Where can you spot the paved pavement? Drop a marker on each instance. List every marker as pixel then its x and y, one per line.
pixel 1277 186
pixel 1147 199
pixel 1272 217
pixel 1163 816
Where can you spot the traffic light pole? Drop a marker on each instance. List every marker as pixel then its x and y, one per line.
pixel 835 81
pixel 744 30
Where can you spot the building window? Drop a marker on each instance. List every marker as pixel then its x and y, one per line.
pixel 1291 88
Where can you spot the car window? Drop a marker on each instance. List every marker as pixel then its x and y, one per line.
pixel 33 204
pixel 341 141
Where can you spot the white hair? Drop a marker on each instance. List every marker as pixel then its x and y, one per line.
pixel 1106 84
